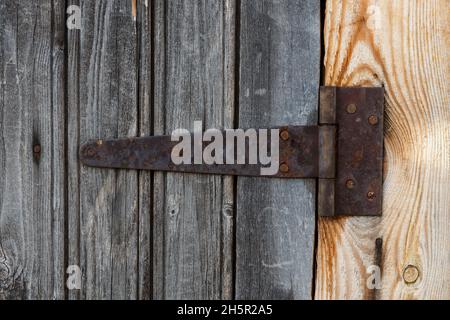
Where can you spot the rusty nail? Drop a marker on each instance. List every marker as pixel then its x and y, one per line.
pixel 411 274
pixel 284 135
pixel 284 168
pixel 37 148
pixel 373 120
pixel 371 195
pixel 350 184
pixel 351 108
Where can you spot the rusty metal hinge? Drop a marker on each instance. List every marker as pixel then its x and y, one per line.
pixel 344 152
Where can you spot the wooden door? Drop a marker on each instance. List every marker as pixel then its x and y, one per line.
pixel 147 67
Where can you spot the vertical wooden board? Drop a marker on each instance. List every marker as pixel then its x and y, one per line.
pixel 279 85
pixel 404 46
pixel 32 198
pixel 144 23
pixel 108 109
pixel 191 212
pixel 73 143
pixel 228 201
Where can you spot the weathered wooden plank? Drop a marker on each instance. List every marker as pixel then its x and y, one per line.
pixel 404 46
pixel 193 214
pixel 73 143
pixel 32 193
pixel 279 84
pixel 108 108
pixel 144 23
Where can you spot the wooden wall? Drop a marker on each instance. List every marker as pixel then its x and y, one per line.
pixel 143 67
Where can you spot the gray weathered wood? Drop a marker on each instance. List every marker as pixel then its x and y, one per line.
pixel 145 128
pixel 73 142
pixel 193 214
pixel 151 235
pixel 108 108
pixel 32 191
pixel 279 82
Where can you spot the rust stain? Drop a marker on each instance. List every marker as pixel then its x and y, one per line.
pixel 133 8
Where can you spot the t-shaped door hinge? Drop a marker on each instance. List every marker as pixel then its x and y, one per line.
pixel 344 152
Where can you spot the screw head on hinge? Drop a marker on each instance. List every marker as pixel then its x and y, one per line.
pixel 350 184
pixel 373 120
pixel 284 168
pixel 284 135
pixel 371 195
pixel 351 108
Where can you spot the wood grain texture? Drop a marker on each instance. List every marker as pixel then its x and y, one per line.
pixel 73 143
pixel 192 213
pixel 279 84
pixel 404 46
pixel 145 96
pixel 32 193
pixel 108 75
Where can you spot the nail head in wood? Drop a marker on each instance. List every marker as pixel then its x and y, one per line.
pixel 411 274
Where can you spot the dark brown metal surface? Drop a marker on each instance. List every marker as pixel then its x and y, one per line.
pixel 299 153
pixel 359 151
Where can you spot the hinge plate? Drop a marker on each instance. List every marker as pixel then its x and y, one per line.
pixel 344 151
pixel 357 188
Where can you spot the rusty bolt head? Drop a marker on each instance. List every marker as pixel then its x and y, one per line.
pixel 284 135
pixel 351 108
pixel 371 195
pixel 373 120
pixel 350 184
pixel 284 168
pixel 411 274
pixel 89 152
pixel 37 148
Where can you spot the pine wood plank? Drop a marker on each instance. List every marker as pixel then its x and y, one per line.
pixel 404 46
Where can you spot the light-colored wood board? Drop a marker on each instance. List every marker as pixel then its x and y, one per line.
pixel 279 85
pixel 193 215
pixel 108 109
pixel 32 192
pixel 404 46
